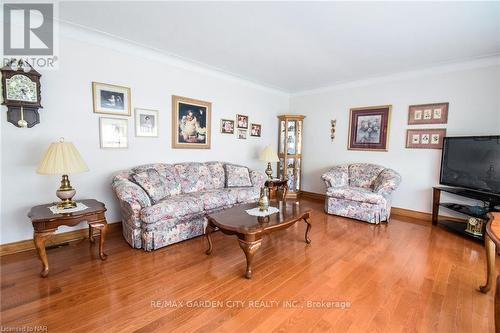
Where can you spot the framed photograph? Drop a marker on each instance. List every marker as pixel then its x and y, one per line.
pixel 146 122
pixel 369 128
pixel 428 138
pixel 242 121
pixel 227 126
pixel 113 132
pixel 436 113
pixel 242 134
pixel 255 129
pixel 111 99
pixel 191 123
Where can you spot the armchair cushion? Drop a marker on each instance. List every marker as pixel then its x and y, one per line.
pixel 363 174
pixel 237 176
pixel 356 194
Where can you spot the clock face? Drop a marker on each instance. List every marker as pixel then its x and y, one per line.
pixel 21 88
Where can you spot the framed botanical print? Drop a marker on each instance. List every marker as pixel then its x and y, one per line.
pixel 255 129
pixel 242 121
pixel 242 134
pixel 113 132
pixel 146 122
pixel 426 138
pixel 369 128
pixel 436 113
pixel 111 99
pixel 227 126
pixel 191 123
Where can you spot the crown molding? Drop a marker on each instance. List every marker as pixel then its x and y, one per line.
pixel 97 37
pixel 488 61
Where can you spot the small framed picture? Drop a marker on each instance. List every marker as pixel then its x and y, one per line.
pixel 113 132
pixel 242 121
pixel 111 99
pixel 242 134
pixel 227 126
pixel 435 113
pixel 427 138
pixel 146 122
pixel 255 130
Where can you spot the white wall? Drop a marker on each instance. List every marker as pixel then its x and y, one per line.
pixel 474 97
pixel 67 112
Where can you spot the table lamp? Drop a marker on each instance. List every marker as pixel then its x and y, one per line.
pixel 62 158
pixel 269 155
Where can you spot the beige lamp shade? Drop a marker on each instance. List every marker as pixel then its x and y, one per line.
pixel 62 158
pixel 269 155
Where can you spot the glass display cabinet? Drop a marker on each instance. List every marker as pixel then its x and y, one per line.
pixel 290 152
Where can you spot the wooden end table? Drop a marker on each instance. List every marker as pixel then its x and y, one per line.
pixel 250 229
pixel 275 185
pixel 45 223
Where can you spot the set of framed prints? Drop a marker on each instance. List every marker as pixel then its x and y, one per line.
pixel 424 114
pixel 227 126
pixel 114 100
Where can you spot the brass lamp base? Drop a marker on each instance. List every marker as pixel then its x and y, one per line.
pixel 66 194
pixel 269 171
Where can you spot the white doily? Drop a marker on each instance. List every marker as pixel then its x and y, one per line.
pixel 79 206
pixel 256 212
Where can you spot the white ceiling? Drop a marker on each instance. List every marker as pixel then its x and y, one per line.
pixel 296 46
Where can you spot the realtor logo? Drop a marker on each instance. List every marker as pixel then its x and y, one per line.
pixel 28 29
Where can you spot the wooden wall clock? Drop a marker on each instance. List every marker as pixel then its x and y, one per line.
pixel 21 93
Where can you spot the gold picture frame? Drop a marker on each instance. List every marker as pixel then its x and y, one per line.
pixel 378 138
pixel 191 123
pixel 111 99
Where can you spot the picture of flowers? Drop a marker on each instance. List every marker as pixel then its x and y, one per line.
pixel 368 128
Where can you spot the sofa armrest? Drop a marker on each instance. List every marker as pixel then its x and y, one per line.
pixel 337 176
pixel 131 196
pixel 258 178
pixel 386 182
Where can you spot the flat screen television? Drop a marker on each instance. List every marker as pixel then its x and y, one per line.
pixel 472 162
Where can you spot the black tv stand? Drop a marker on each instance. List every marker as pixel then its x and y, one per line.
pixel 490 200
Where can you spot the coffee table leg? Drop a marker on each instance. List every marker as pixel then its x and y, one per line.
pixel 490 263
pixel 39 239
pixel 103 228
pixel 208 231
pixel 249 248
pixel 308 240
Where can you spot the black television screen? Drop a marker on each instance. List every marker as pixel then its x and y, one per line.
pixel 472 162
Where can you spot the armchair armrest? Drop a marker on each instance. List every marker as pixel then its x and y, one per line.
pixel 131 196
pixel 258 178
pixel 387 181
pixel 336 177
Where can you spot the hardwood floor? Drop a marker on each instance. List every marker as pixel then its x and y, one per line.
pixel 402 276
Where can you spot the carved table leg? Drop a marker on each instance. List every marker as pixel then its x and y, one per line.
pixel 308 240
pixel 285 191
pixel 208 231
pixel 103 228
pixel 249 248
pixel 490 263
pixel 91 234
pixel 39 239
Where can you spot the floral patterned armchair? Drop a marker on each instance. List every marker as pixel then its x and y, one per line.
pixel 360 191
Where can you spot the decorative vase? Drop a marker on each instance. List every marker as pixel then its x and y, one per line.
pixel 264 199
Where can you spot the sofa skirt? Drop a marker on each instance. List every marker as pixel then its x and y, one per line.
pixel 371 213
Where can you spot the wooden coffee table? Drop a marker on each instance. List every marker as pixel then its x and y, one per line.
pixel 250 229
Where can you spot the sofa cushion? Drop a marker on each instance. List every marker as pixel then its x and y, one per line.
pixel 194 177
pixel 218 174
pixel 237 176
pixel 153 183
pixel 245 194
pixel 172 207
pixel 168 171
pixel 355 194
pixel 215 199
pixel 363 174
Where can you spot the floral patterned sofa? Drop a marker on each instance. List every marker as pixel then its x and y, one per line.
pixel 360 191
pixel 172 200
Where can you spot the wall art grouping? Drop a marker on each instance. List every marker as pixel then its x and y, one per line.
pixel 227 126
pixel 424 114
